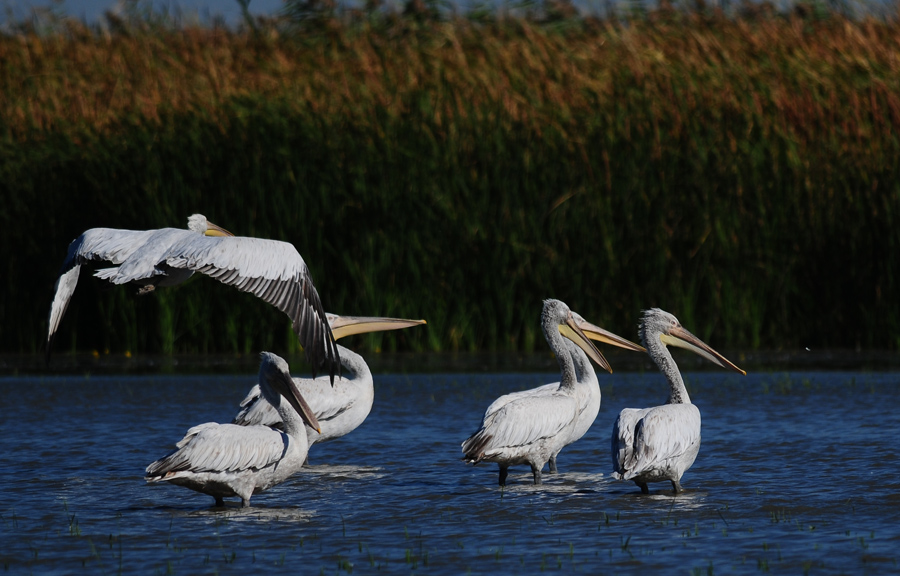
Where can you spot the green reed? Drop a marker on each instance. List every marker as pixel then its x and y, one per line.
pixel 739 172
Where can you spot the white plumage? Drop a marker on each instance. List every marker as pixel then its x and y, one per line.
pixel 661 443
pixel 587 386
pixel 224 460
pixel 269 269
pixel 532 428
pixel 339 409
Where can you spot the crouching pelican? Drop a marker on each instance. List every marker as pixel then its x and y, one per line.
pixel 339 409
pixel 587 386
pixel 532 428
pixel 272 270
pixel 228 460
pixel 661 443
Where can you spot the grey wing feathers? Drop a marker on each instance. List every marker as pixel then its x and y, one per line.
pixel 257 411
pixel 520 423
pixel 275 272
pixel 213 447
pixel 507 398
pixel 623 441
pixel 96 244
pixel 652 436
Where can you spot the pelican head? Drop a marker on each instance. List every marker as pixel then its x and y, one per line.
pixel 349 325
pixel 556 312
pixel 199 223
pixel 665 326
pixel 597 333
pixel 274 372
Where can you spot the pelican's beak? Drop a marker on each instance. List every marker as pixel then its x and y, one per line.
pixel 349 325
pixel 216 230
pixel 597 333
pixel 285 386
pixel 571 331
pixel 681 338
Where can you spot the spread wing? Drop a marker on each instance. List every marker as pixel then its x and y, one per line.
pixel 96 244
pixel 213 447
pixel 271 270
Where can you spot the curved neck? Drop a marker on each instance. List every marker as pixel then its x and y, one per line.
pixel 660 354
pixel 583 370
pixel 293 423
pixel 354 364
pixel 568 378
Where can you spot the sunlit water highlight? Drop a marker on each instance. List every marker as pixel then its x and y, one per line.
pixel 797 474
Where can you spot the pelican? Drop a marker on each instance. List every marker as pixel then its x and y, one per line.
pixel 227 460
pixel 532 428
pixel 661 443
pixel 270 269
pixel 587 386
pixel 339 409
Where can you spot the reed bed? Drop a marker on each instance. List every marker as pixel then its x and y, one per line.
pixel 740 172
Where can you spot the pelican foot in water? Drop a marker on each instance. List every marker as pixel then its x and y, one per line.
pixel 676 486
pixel 504 472
pixel 537 476
pixel 220 502
pixel 643 487
pixel 553 464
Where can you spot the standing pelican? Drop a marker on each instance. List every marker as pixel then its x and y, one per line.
pixel 661 443
pixel 339 409
pixel 270 269
pixel 227 460
pixel 587 387
pixel 532 428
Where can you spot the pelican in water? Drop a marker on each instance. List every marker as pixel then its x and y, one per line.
pixel 661 443
pixel 532 428
pixel 228 460
pixel 272 270
pixel 587 387
pixel 339 409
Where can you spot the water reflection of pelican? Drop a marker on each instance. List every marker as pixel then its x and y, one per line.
pixel 532 428
pixel 339 409
pixel 229 460
pixel 272 270
pixel 587 387
pixel 661 443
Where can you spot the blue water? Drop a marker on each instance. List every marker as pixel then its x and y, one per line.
pixel 797 474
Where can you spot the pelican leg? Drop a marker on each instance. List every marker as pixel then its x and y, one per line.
pixel 643 486
pixel 245 502
pixel 676 486
pixel 553 464
pixel 219 502
pixel 504 472
pixel 537 475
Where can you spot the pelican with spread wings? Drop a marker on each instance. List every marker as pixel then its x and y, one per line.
pixel 269 269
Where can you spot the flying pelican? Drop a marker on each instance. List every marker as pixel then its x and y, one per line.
pixel 339 409
pixel 270 269
pixel 227 460
pixel 587 387
pixel 533 428
pixel 661 443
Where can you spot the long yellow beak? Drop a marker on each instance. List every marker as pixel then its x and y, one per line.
pixel 216 230
pixel 571 331
pixel 349 325
pixel 597 333
pixel 681 338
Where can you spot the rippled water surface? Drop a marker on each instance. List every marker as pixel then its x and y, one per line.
pixel 798 473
